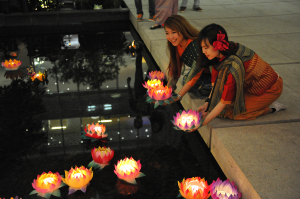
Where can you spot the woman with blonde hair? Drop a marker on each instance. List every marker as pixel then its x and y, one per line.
pixel 183 51
pixel 244 85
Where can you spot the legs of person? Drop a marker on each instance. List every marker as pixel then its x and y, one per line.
pixel 163 10
pixel 184 3
pixel 175 7
pixel 258 105
pixel 139 6
pixel 196 4
pixel 151 8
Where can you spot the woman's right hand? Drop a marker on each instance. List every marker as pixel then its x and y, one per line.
pixel 202 109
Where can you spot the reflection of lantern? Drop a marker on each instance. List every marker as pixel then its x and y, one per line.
pixel 224 190
pixel 128 170
pixel 194 188
pixel 187 120
pixel 11 64
pixel 153 83
pixel 13 74
pixel 160 95
pixel 78 178
pixel 125 188
pixel 156 75
pixel 95 131
pixel 101 157
pixel 47 184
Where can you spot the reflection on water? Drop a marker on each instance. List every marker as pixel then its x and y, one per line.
pixel 95 81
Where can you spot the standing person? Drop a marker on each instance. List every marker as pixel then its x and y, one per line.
pixel 163 10
pixel 139 10
pixel 245 86
pixel 196 5
pixel 183 51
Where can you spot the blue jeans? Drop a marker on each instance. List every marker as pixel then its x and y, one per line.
pixel 139 7
pixel 196 3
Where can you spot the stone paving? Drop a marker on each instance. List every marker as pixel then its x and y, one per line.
pixel 271 28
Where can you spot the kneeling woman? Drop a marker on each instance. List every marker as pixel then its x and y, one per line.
pixel 244 86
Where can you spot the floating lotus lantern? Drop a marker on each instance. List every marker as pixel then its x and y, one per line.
pixel 224 190
pixel 93 131
pixel 156 75
pixel 160 95
pixel 40 76
pixel 187 120
pixel 11 64
pixel 101 157
pixel 128 170
pixel 152 83
pixel 47 184
pixel 194 188
pixel 78 178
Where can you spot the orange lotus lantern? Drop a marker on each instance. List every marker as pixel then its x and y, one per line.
pixel 11 64
pixel 94 131
pixel 47 184
pixel 128 170
pixel 78 178
pixel 160 95
pixel 152 83
pixel 101 157
pixel 194 188
pixel 40 76
pixel 156 75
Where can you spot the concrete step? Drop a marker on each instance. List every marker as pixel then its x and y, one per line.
pixel 262 160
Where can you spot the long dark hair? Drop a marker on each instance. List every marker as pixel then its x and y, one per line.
pixel 209 33
pixel 182 26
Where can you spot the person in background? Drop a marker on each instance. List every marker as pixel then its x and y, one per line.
pixel 196 6
pixel 139 10
pixel 163 10
pixel 244 85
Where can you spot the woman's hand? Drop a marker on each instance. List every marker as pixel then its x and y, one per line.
pixel 202 109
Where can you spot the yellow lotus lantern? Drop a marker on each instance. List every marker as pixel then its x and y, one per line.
pixel 128 170
pixel 156 75
pixel 160 95
pixel 152 83
pixel 47 184
pixel 78 178
pixel 11 64
pixel 194 188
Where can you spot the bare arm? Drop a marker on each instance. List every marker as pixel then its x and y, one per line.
pixel 214 113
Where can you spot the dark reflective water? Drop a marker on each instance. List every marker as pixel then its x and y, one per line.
pixel 90 78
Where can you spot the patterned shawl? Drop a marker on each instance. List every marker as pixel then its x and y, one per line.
pixel 189 57
pixel 234 65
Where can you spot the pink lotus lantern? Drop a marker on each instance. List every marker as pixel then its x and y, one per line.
pixel 11 64
pixel 128 170
pixel 95 131
pixel 78 178
pixel 194 188
pixel 47 184
pixel 101 157
pixel 153 83
pixel 187 120
pixel 224 190
pixel 156 75
pixel 160 95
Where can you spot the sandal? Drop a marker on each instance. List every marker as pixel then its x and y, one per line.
pixel 155 27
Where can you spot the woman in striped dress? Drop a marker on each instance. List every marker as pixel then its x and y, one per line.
pixel 244 85
pixel 164 9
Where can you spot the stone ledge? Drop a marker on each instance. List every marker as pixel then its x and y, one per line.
pixel 262 160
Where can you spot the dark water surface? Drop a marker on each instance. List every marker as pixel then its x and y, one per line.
pixel 91 78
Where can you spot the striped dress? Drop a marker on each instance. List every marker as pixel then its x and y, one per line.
pixel 262 86
pixel 164 9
